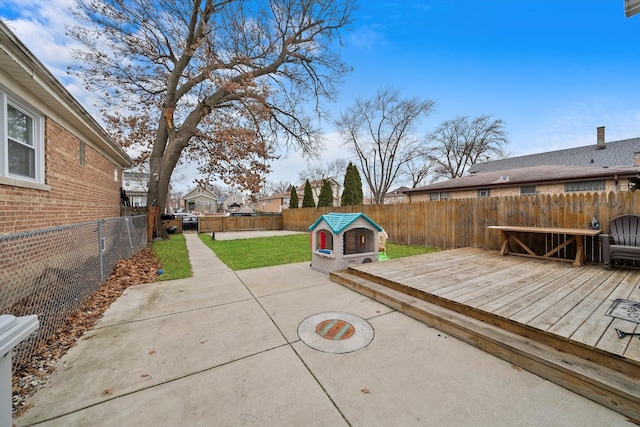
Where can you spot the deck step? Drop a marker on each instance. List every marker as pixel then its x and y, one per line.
pixel 606 386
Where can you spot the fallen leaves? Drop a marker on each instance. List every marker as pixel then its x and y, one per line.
pixel 29 377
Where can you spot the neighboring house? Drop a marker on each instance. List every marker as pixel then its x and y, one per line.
pixel 528 181
pixel 614 154
pixel 233 202
pixel 136 185
pixel 200 200
pixel 316 186
pixel 274 203
pixel 57 164
pixel 614 166
pixel 396 196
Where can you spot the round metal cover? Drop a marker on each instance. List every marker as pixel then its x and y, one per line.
pixel 335 332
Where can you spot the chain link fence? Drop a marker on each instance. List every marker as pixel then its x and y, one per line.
pixel 52 272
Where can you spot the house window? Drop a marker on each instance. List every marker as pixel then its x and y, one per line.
pixel 484 192
pixel 584 186
pixel 528 190
pixel 21 142
pixel 438 196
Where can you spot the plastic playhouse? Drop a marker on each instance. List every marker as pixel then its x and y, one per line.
pixel 342 239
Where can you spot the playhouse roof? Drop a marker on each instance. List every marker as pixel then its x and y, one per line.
pixel 339 221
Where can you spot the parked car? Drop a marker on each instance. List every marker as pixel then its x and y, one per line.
pixel 189 221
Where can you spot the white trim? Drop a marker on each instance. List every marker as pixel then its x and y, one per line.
pixel 7 98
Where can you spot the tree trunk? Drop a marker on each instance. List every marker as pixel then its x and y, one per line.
pixel 161 166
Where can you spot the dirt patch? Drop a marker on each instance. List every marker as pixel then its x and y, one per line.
pixel 29 377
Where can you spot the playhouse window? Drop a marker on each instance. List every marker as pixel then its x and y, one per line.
pixel 324 240
pixel 360 240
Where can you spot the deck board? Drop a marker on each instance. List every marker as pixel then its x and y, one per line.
pixel 556 299
pixel 546 298
pixel 515 280
pixel 507 303
pixel 592 329
pixel 547 317
pixel 571 321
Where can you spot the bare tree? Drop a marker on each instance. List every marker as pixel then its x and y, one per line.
pixel 459 143
pixel 418 169
pixel 222 81
pixel 381 132
pixel 280 187
pixel 270 187
pixel 319 171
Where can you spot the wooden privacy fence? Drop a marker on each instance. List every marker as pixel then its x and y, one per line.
pixel 207 224
pixel 449 224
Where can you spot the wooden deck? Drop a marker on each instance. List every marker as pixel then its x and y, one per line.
pixel 545 316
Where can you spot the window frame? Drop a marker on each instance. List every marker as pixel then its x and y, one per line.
pixel 528 193
pixel 586 186
pixel 484 193
pixel 7 99
pixel 440 195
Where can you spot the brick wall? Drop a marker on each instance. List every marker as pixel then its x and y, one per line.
pixel 558 188
pixel 77 193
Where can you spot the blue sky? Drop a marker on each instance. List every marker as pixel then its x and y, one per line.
pixel 552 70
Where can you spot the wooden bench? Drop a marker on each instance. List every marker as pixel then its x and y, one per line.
pixel 623 240
pixel 574 235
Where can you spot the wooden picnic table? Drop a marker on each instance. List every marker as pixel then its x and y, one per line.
pixel 574 235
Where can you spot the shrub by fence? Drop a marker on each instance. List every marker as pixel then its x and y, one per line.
pixel 52 272
pixel 449 224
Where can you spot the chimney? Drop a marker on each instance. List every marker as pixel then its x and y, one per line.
pixel 600 138
pixel 636 159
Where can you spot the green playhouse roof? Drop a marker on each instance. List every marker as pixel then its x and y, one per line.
pixel 339 221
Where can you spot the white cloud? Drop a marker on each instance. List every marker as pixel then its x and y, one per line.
pixel 287 167
pixel 41 26
pixel 368 37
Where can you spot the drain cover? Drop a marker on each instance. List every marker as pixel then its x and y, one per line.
pixel 335 332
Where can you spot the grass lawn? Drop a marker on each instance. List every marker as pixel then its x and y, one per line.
pixel 243 254
pixel 172 254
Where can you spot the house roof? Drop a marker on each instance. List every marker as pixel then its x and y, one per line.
pixel 240 195
pixel 284 195
pixel 397 191
pixel 18 62
pixel 339 221
pixel 194 193
pixel 528 176
pixel 612 154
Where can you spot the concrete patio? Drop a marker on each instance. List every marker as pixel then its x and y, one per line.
pixel 222 348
